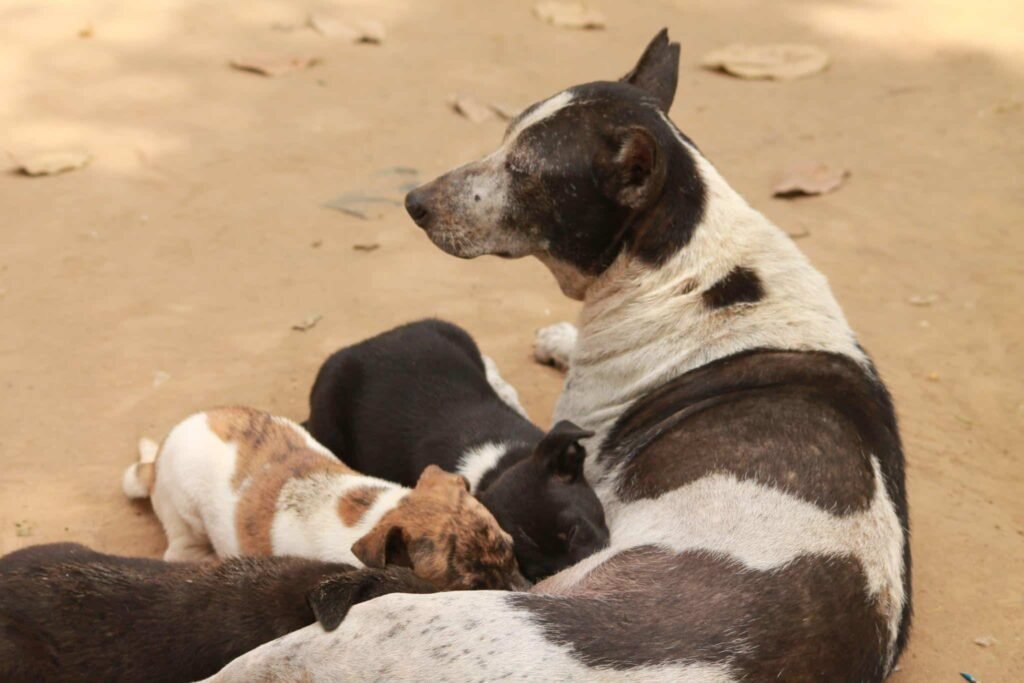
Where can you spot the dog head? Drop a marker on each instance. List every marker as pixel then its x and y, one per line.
pixel 445 536
pixel 544 501
pixel 579 178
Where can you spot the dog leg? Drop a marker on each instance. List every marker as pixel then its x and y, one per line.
pixel 184 543
pixel 505 391
pixel 553 345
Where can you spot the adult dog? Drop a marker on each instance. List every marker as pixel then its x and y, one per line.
pixel 747 452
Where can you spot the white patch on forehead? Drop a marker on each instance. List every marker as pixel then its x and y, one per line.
pixel 544 110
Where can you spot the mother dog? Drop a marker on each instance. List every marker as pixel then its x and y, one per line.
pixel 747 452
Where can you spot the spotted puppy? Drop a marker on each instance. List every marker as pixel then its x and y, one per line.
pixel 744 447
pixel 422 395
pixel 71 614
pixel 238 481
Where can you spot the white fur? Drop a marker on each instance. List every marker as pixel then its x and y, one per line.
pixel 505 391
pixel 195 500
pixel 639 328
pixel 131 482
pixel 544 110
pixel 478 461
pixel 479 638
pixel 554 344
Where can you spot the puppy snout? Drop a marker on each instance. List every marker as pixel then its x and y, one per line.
pixel 416 205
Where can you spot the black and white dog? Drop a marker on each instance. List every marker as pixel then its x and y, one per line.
pixel 746 451
pixel 422 394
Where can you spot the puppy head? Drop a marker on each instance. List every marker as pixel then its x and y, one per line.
pixel 445 536
pixel 579 177
pixel 544 501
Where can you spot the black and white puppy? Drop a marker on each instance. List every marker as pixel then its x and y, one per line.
pixel 68 613
pixel 422 394
pixel 745 449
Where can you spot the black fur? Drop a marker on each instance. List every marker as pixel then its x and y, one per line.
pixel 741 286
pixel 418 395
pixel 762 415
pixel 807 621
pixel 68 613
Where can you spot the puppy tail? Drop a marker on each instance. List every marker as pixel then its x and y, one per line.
pixel 138 479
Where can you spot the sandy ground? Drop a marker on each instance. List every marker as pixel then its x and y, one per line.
pixel 166 276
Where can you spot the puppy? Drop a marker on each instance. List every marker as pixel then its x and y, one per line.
pixel 71 614
pixel 422 395
pixel 238 481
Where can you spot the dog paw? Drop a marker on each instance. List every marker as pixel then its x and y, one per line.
pixel 553 345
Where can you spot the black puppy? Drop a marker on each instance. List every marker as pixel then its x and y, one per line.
pixel 421 395
pixel 68 613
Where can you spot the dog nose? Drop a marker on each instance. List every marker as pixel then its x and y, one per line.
pixel 415 205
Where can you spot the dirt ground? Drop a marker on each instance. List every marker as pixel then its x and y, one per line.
pixel 166 276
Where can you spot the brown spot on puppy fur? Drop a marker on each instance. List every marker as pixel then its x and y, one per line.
pixel 445 535
pixel 354 504
pixel 270 453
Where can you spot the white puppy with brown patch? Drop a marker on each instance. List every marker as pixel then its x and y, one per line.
pixel 238 481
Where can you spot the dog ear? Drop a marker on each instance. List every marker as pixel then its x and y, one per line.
pixel 383 545
pixel 335 596
pixel 657 72
pixel 560 452
pixel 635 172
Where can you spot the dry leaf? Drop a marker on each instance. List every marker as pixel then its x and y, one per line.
pixel 922 299
pixel 933 377
pixel 781 62
pixel 985 641
pixel 809 179
pixel 357 204
pixel 569 15
pixel 273 66
pixel 369 246
pixel 798 233
pixel 472 108
pixel 504 111
pixel 52 163
pixel 355 31
pixel 307 324
pixel 478 111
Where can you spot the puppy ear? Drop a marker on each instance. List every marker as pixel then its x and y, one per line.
pixel 635 173
pixel 560 452
pixel 335 596
pixel 383 545
pixel 657 72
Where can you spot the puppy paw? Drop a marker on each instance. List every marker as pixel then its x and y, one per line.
pixel 553 345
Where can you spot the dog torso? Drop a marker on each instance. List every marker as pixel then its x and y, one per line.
pixel 72 614
pixel 254 484
pixel 416 396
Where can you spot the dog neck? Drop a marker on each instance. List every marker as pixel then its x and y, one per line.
pixel 738 284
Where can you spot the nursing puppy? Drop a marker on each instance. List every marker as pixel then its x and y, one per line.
pixel 422 395
pixel 745 449
pixel 68 613
pixel 238 481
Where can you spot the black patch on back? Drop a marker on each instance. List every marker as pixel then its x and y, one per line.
pixel 741 286
pixel 805 422
pixel 810 620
